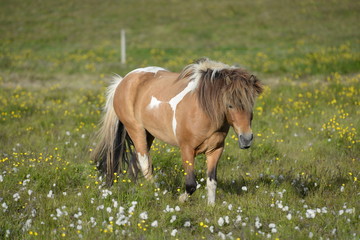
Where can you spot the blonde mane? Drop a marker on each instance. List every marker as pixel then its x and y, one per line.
pixel 219 85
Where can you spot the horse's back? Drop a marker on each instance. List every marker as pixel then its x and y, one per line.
pixel 141 100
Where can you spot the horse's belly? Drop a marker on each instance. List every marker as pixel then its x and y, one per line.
pixel 158 122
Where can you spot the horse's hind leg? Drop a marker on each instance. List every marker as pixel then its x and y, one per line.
pixel 142 141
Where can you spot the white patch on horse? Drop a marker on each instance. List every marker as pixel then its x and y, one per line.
pixel 148 69
pixel 154 103
pixel 211 188
pixel 175 101
pixel 143 161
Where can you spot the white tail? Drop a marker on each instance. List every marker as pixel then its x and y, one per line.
pixel 104 152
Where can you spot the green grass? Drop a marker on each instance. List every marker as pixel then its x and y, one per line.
pixel 298 180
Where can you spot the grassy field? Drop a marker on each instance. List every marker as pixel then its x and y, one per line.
pixel 299 180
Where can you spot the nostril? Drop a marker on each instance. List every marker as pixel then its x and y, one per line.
pixel 246 137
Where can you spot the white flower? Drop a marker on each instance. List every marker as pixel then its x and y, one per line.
pixel 177 208
pixel 50 194
pixel 27 225
pixel 33 212
pixel 272 225
pixel 59 213
pixel 173 232
pixel 227 220
pixel 222 236
pixel 1 178
pixel 143 215
pixel 244 188
pixel 238 219
pixel 154 223
pixel 16 197
pixel 257 223
pixel 289 216
pixel 101 207
pixel 4 206
pixel 311 235
pixel 221 221
pixel 211 228
pixel 187 224
pixel 173 218
pixel 168 209
pixel 230 207
pixel 310 213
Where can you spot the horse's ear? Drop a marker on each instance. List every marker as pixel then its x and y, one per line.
pixel 257 84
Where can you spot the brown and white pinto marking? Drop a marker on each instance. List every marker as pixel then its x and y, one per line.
pixel 193 110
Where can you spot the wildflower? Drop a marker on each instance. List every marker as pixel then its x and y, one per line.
pixel 244 188
pixel 222 235
pixel 173 218
pixel 27 225
pixel 100 207
pixel 289 216
pixel 154 223
pixel 115 203
pixel 257 223
pixel 59 213
pixel 93 222
pixel 187 224
pixel 227 220
pixel 173 232
pixel 310 213
pixel 50 194
pixel 143 215
pixel 238 219
pixel 221 221
pixel 16 197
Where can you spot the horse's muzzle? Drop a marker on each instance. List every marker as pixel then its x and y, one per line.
pixel 245 140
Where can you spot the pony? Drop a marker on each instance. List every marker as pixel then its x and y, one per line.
pixel 192 110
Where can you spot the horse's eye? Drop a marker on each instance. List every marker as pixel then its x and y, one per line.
pixel 230 106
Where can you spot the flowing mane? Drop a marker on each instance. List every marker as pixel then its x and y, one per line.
pixel 219 85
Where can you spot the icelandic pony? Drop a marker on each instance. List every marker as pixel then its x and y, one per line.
pixel 193 110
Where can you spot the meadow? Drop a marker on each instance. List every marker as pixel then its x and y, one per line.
pixel 299 180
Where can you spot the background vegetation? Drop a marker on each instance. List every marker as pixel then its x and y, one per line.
pixel 300 178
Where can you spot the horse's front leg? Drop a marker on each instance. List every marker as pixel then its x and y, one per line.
pixel 188 156
pixel 212 159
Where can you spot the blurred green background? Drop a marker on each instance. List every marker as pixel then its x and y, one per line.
pixel 269 37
